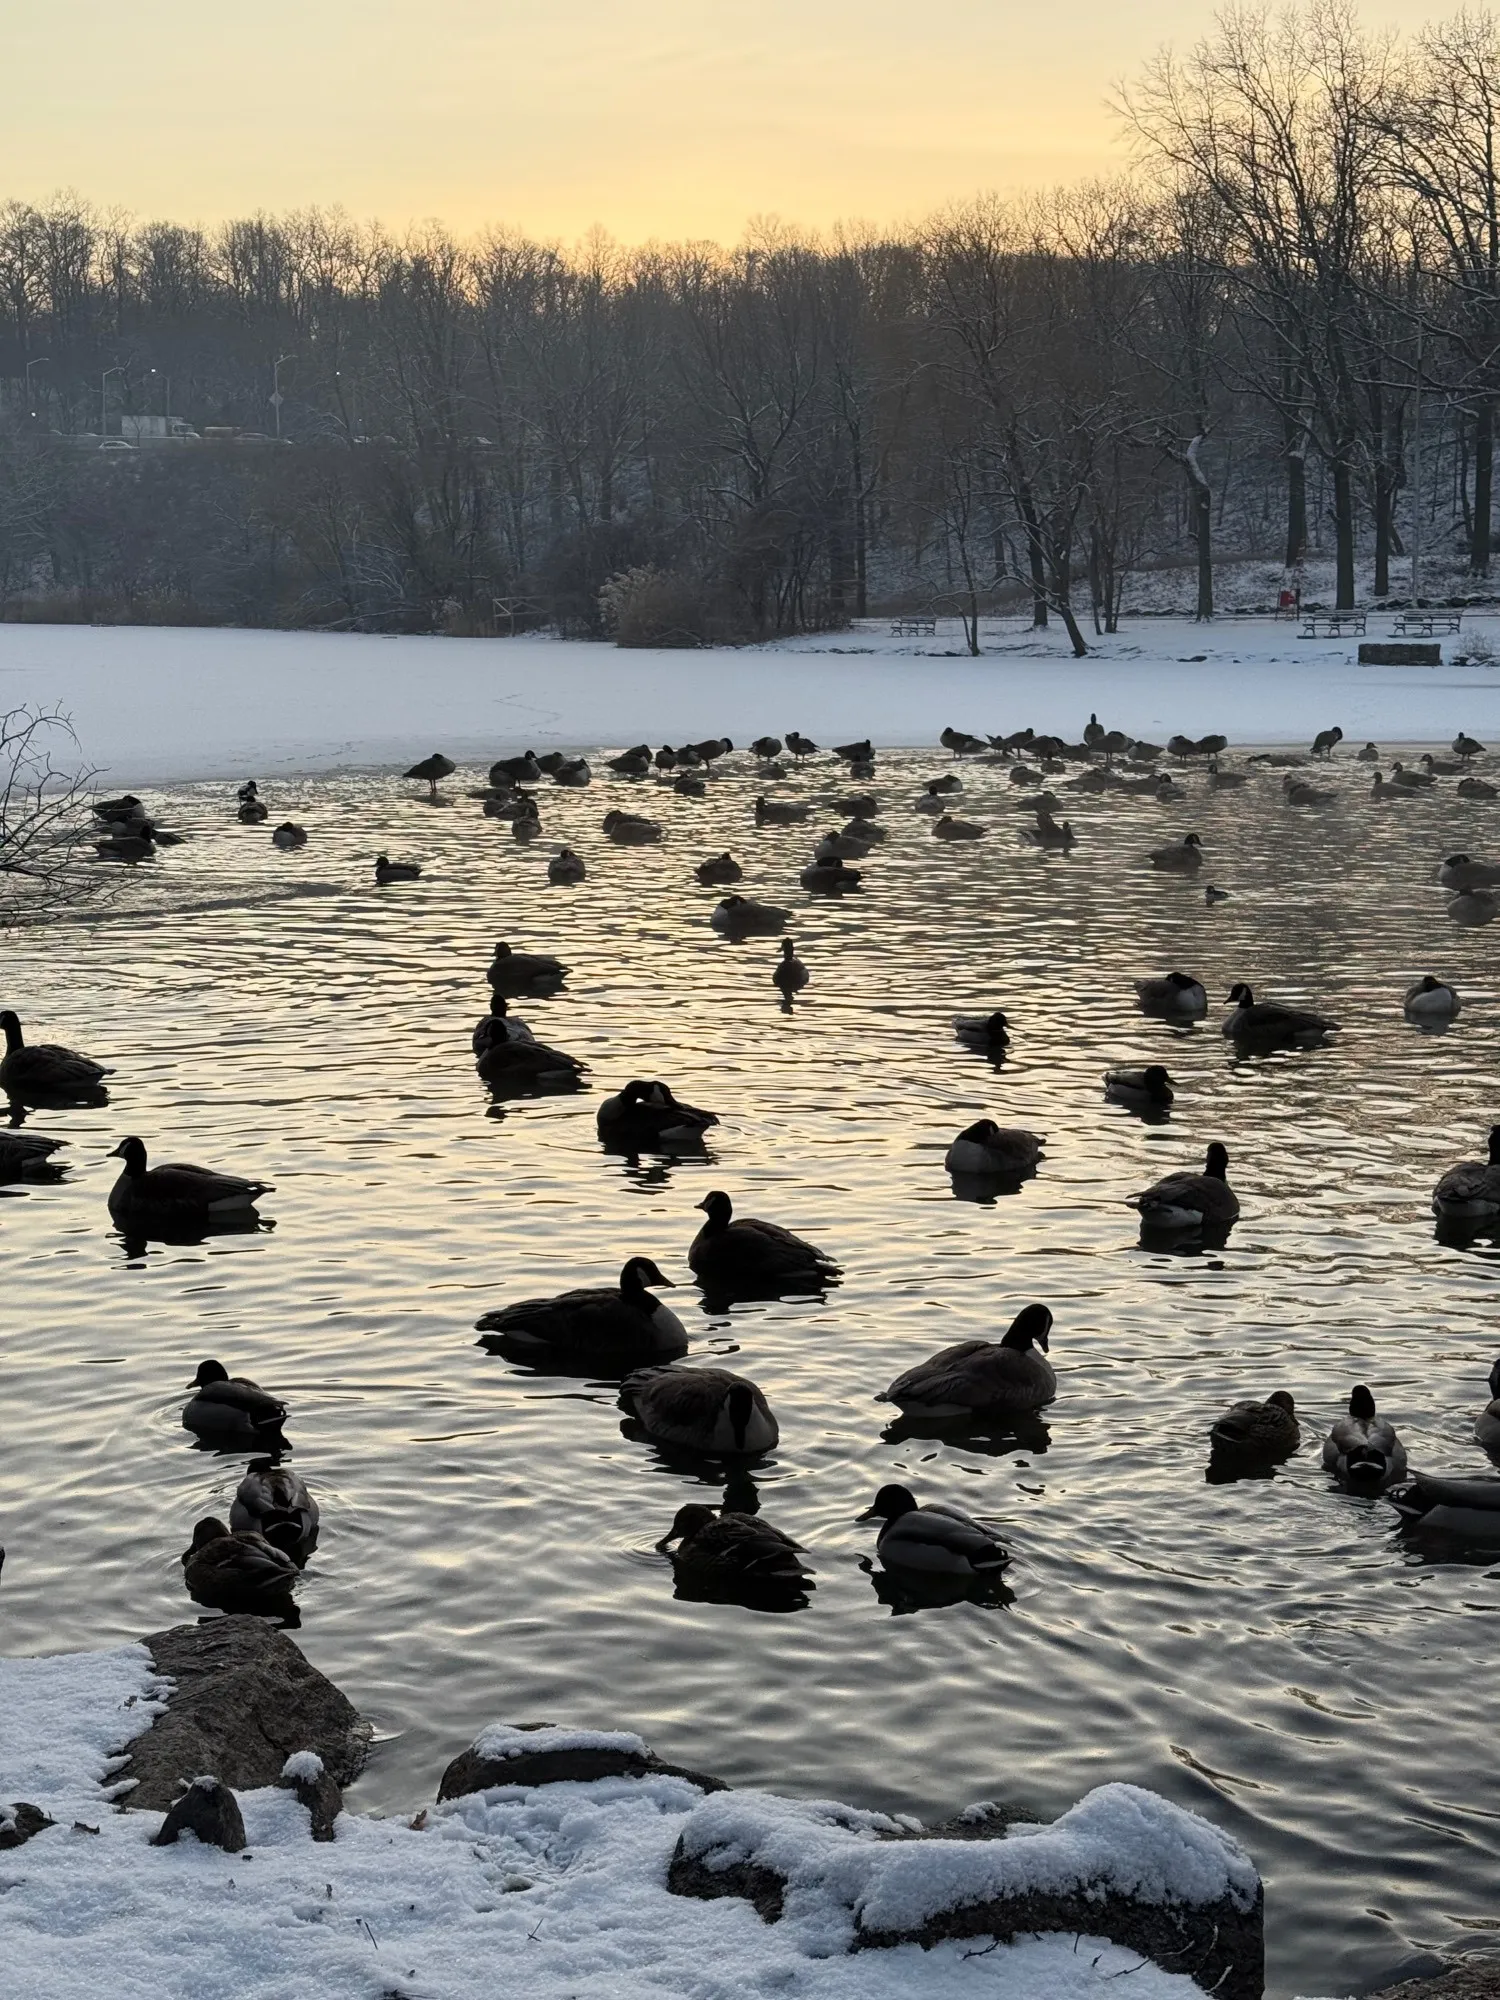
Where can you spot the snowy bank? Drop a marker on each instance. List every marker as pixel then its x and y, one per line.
pixel 154 706
pixel 548 1889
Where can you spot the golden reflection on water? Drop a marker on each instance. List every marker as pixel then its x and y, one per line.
pixel 1267 1651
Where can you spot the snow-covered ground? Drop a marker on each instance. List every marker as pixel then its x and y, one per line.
pixel 150 706
pixel 557 1891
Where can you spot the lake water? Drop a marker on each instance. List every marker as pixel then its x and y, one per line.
pixel 1271 1653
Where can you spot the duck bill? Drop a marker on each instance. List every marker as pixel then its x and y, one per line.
pixel 869 1515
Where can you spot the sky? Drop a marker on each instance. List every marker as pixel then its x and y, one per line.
pixel 647 118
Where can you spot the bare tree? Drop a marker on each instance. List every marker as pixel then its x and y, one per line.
pixel 44 799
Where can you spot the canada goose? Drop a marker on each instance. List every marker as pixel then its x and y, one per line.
pixel 520 972
pixel 248 790
pixel 566 867
pixel 1459 871
pixel 1487 1423
pixel 1369 755
pixel 1438 768
pixel 989 1033
pixel 719 868
pixel 728 1549
pixel 176 1193
pixel 855 753
pixel 523 1066
pixel 289 835
pixel 522 770
pixel 701 1409
pixel 1475 788
pixel 505 805
pixel 731 1252
pixel 395 871
pixel 766 747
pixel 499 1025
pixel 688 757
pixel 430 770
pixel 1465 746
pixel 46 1071
pixel 1093 732
pixel 800 746
pixel 27 1156
pixel 932 1538
pixel 1431 1000
pixel 1412 780
pixel 637 761
pixel 1266 1023
pixel 126 810
pixel 712 747
pixel 867 829
pixel 1211 895
pixel 1470 1192
pixel 689 787
pixel 1149 1088
pixel 631 829
pixel 780 812
pixel 235 1572
pixel 1325 740
pixel 1092 781
pixel 1362 1451
pixel 1024 775
pixel 526 825
pixel 1191 1201
pixel 573 773
pixel 1297 792
pixel 948 828
pixel 610 1322
pixel 645 1116
pixel 1474 909
pixel 1262 1433
pixel 1181 747
pixel 1388 793
pixel 253 813
pixel 857 805
pixel 1048 832
pixel 742 916
pixel 1467 1509
pixel 829 878
pixel 273 1502
pixel 1175 993
pixel 839 846
pixel 790 975
pixel 1008 1377
pixel 989 1151
pixel 1185 857
pixel 230 1407
pixel 127 847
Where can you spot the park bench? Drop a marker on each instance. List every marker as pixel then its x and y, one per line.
pixel 1426 624
pixel 914 628
pixel 1332 624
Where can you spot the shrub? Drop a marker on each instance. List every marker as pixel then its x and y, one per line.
pixel 657 607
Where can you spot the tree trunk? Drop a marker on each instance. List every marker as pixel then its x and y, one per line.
pixel 1201 518
pixel 1296 504
pixel 1385 514
pixel 1343 532
pixel 1484 472
pixel 1036 553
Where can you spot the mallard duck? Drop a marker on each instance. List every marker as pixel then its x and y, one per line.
pixel 1188 1201
pixel 781 812
pixel 176 1193
pixel 289 835
pixel 387 870
pixel 499 1025
pixel 989 1033
pixel 742 916
pixel 566 867
pixel 1270 1025
pixel 230 1407
pixel 1362 1451
pixel 1432 1000
pixel 948 828
pixel 719 868
pixel 727 1550
pixel 1460 871
pixel 1175 993
pixel 271 1501
pixel 522 770
pixel 731 1252
pixel 1487 1423
pixel 27 1156
pixel 766 747
pixel 1211 895
pixel 1266 1432
pixel 790 974
pixel 1475 788
pixel 248 790
pixel 1325 740
pixel 829 878
pixel 235 1572
pixel 1465 746
pixel 430 770
pixel 701 1409
pixel 520 972
pixel 1470 1192
pixel 530 1065
pixel 1008 1377
pixel 933 1538
pixel 1467 1509
pixel 1474 909
pixel 645 1116
pixel 1185 857
pixel 623 1321
pixel 987 1151
pixel 46 1070
pixel 1149 1088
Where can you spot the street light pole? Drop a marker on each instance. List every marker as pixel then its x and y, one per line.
pixel 104 397
pixel 40 362
pixel 1416 479
pixel 276 389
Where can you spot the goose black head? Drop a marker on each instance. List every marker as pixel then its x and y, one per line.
pixel 210 1371
pixel 1240 995
pixel 997 1027
pixel 133 1153
pixel 1361 1403
pixel 1282 1401
pixel 1217 1162
pixel 1030 1328
pixel 688 1521
pixel 1456 861
pixel 502 949
pixel 10 1026
pixel 1157 1079
pixel 635 1092
pixel 499 1006
pixel 788 947
pixel 740 1403
pixel 1183 981
pixel 1429 984
pixel 718 1208
pixel 982 1131
pixel 1495 1145
pixel 209 1529
pixel 1192 840
pixel 640 1272
pixel 890 1503
pixel 1495 1380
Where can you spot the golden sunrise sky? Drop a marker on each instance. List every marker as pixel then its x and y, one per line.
pixel 664 118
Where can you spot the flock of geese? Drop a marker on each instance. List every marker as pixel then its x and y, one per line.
pixel 626 1333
